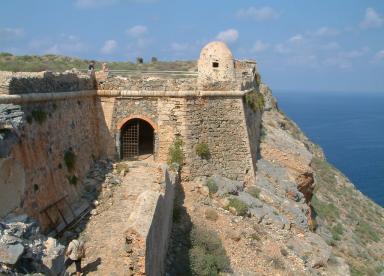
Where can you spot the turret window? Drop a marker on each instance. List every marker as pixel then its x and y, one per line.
pixel 215 64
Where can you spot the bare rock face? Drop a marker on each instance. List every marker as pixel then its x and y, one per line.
pixel 23 249
pixel 53 258
pixel 227 186
pixel 312 249
pixel 306 185
pixel 10 253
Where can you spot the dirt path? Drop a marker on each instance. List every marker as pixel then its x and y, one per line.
pixel 104 232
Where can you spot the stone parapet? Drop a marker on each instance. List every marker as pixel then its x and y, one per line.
pixel 150 226
pixel 12 83
pixel 171 93
pixel 147 83
pixel 42 97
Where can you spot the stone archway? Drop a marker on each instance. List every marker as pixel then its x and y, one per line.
pixel 137 138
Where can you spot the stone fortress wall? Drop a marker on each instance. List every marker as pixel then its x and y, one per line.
pixel 44 115
pixel 38 130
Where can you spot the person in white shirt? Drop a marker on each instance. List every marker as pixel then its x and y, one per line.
pixel 75 252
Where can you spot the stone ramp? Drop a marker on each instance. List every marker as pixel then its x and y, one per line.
pixel 104 233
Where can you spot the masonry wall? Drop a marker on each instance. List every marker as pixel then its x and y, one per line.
pixel 167 114
pixel 37 151
pixel 150 225
pixel 225 124
pixel 220 123
pixel 253 122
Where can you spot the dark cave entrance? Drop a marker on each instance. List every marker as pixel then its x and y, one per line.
pixel 137 140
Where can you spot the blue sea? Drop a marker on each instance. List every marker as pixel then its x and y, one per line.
pixel 350 129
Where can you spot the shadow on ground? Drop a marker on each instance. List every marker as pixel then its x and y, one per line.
pixel 178 262
pixel 91 267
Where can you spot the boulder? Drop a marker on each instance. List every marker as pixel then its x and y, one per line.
pixel 250 200
pixel 10 253
pixel 312 249
pixel 297 212
pixel 227 186
pixel 24 249
pixel 337 266
pixel 53 258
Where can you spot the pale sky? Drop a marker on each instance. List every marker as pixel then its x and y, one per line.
pixel 305 45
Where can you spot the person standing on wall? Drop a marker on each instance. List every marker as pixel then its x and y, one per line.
pixel 91 67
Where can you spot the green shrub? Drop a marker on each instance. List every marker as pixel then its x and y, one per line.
pixel 72 179
pixel 176 152
pixel 39 115
pixel 255 101
pixel 122 166
pixel 207 255
pixel 212 186
pixel 202 150
pixel 255 236
pixel 254 191
pixel 211 214
pixel 337 231
pixel 379 269
pixel 365 232
pixel 240 206
pixel 305 258
pixel 327 211
pixel 70 159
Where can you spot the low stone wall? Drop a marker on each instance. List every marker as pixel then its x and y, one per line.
pixel 145 83
pixel 43 82
pixel 148 235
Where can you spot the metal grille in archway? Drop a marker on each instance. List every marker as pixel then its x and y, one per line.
pixel 130 141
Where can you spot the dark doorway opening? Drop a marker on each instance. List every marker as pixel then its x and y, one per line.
pixel 137 140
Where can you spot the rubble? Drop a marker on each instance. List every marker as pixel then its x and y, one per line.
pixel 23 249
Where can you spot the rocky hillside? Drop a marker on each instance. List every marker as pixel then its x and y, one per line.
pixel 56 63
pixel 300 216
pixel 348 221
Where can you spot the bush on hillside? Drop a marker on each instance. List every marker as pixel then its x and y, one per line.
pixel 70 159
pixel 254 191
pixel 240 206
pixel 212 186
pixel 175 153
pixel 207 255
pixel 255 101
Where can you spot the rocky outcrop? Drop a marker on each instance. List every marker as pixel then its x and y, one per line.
pixel 23 249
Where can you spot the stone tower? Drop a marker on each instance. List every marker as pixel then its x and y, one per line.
pixel 216 63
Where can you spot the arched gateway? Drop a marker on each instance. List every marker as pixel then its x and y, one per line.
pixel 137 139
